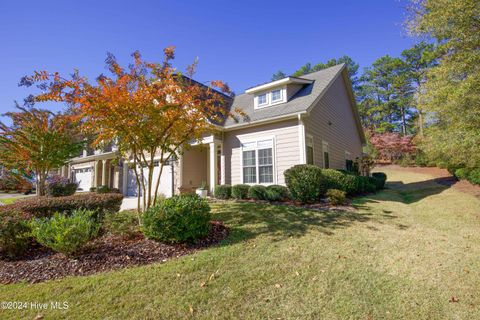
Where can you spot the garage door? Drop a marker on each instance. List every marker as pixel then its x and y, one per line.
pixel 84 178
pixel 165 181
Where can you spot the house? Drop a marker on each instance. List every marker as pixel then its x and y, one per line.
pixel 311 119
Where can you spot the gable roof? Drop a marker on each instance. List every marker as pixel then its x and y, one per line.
pixel 300 102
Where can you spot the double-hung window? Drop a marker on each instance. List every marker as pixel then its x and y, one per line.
pixel 257 161
pixel 326 156
pixel 262 99
pixel 276 95
pixel 309 151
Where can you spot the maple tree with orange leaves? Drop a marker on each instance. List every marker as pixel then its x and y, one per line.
pixel 147 109
pixel 38 141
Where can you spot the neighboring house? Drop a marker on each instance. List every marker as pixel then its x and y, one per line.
pixel 311 119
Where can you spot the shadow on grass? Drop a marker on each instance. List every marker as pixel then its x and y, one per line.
pixel 250 220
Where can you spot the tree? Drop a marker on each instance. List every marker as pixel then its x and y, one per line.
pixel 278 75
pixel 419 59
pixel 39 141
pixel 148 109
pixel 352 67
pixel 391 146
pixel 450 94
pixel 385 96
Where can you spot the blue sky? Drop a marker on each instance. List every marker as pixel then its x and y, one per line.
pixel 240 42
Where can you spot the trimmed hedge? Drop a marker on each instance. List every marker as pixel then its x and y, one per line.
pixel 277 192
pixel 223 191
pixel 380 179
pixel 305 182
pixel 14 234
pixel 462 173
pixel 47 206
pixel 257 192
pixel 177 219
pixel 240 191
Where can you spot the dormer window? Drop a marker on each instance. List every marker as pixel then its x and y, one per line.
pixel 270 98
pixel 276 95
pixel 262 99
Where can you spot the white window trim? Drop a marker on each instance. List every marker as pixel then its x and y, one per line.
pixel 308 138
pixel 274 160
pixel 325 147
pixel 270 102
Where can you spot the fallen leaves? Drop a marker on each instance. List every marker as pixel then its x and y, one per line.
pixel 453 299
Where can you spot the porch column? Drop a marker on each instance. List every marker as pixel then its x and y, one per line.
pixel 125 178
pixel 222 167
pixel 213 166
pixel 96 172
pixel 104 172
pixel 69 171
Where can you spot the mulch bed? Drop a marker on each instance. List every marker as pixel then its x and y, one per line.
pixel 103 254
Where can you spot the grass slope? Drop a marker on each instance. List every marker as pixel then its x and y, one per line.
pixel 404 255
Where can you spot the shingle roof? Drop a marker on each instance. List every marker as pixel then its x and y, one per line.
pixel 301 101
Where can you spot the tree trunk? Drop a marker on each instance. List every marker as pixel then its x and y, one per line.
pixel 420 123
pixel 404 122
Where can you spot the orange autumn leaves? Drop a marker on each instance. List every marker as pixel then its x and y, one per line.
pixel 146 108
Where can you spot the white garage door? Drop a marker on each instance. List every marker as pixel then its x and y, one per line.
pixel 84 178
pixel 165 186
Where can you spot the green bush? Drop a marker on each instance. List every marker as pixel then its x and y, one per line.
pixel 380 178
pixel 305 183
pixel 57 186
pixel 336 197
pixel 223 191
pixel 47 206
pixel 361 184
pixel 474 176
pixel 277 192
pixel 350 184
pixel 257 192
pixel 123 223
pixel 103 189
pixel 462 173
pixel 240 191
pixel 14 234
pixel 65 234
pixel 177 219
pixel 370 187
pixel 334 179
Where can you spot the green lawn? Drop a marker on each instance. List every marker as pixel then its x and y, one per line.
pixel 404 255
pixel 8 200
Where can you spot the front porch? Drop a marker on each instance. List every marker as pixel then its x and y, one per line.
pixel 202 164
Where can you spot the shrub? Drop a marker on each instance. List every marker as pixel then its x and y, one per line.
pixel 240 191
pixel 14 234
pixel 47 206
pixel 103 189
pixel 350 184
pixel 177 219
pixel 380 179
pixel 257 192
pixel 462 173
pixel 277 193
pixel 123 223
pixel 93 189
pixel 65 234
pixel 370 187
pixel 57 186
pixel 336 197
pixel 474 176
pixel 361 184
pixel 305 182
pixel 334 179
pixel 223 191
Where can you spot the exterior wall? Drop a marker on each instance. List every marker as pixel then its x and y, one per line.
pixel 195 166
pixel 286 148
pixel 342 134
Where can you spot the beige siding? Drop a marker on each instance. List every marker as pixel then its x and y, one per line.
pixel 194 167
pixel 342 134
pixel 286 148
